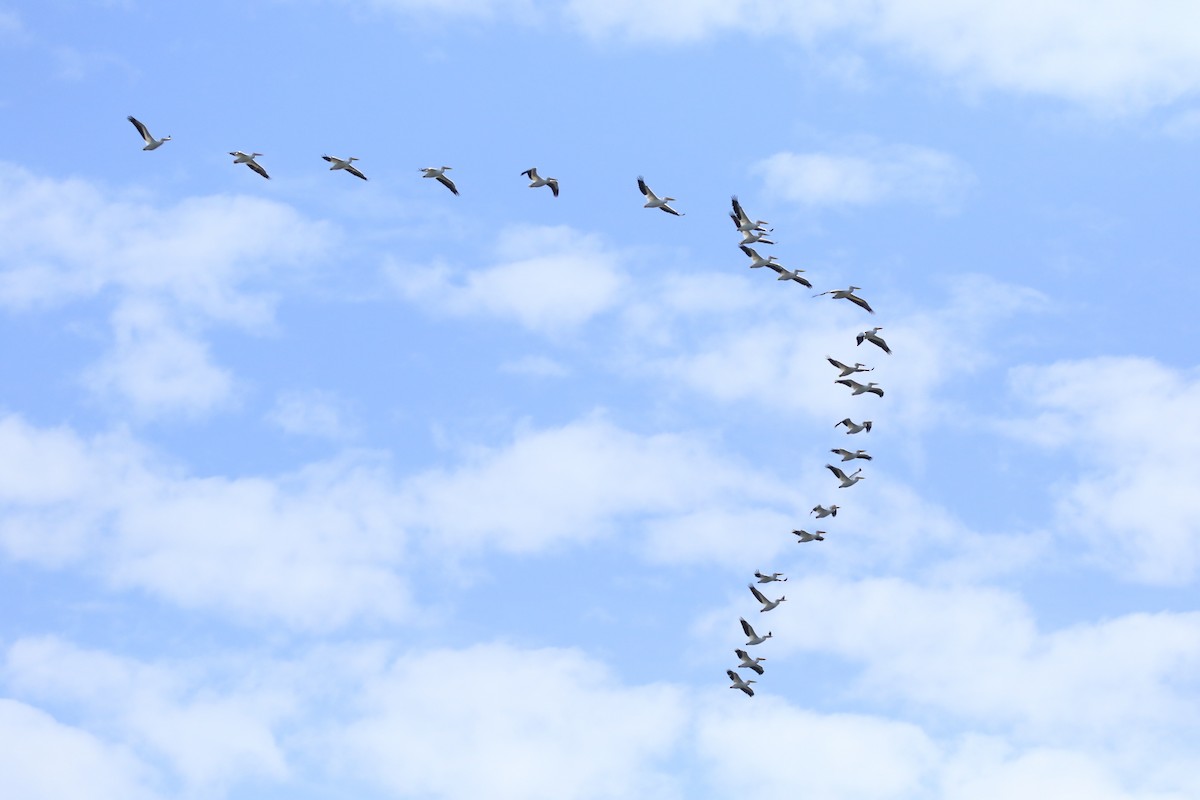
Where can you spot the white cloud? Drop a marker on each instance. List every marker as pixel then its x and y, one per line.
pixel 310 413
pixel 866 174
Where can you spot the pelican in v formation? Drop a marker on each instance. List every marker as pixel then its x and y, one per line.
pixel 748 662
pixel 847 369
pixel 151 142
pixel 847 455
pixel 754 637
pixel 440 174
pixel 774 576
pixel 861 388
pixel 855 427
pixel 344 163
pixel 822 512
pixel 848 294
pixel 846 480
pixel 767 605
pixel 248 159
pixel 738 683
pixel 874 338
pixel 536 181
pixel 654 201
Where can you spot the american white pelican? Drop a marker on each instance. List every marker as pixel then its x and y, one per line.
pixel 762 598
pixel 854 427
pixel 151 142
pixel 339 163
pixel 805 536
pixel 848 294
pixel 847 480
pixel 748 662
pixel 440 174
pixel 874 338
pixel 790 275
pixel 738 683
pixel 848 370
pixel 754 637
pixel 248 159
pixel 536 181
pixel 742 219
pixel 822 512
pixel 859 388
pixel 654 201
pixel 849 456
pixel 752 237
pixel 756 260
pixel 774 576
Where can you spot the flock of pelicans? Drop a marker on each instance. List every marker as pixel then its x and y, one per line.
pixel 753 232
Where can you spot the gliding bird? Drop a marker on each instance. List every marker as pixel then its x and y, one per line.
pixel 854 427
pixel 753 237
pixel 738 683
pixel 248 159
pixel 874 338
pixel 151 142
pixel 822 512
pixel 805 536
pixel 536 181
pixel 848 370
pixel 790 275
pixel 847 480
pixel 762 598
pixel 742 220
pixel 339 163
pixel 848 294
pixel 748 662
pixel 654 201
pixel 754 637
pixel 756 260
pixel 849 456
pixel 440 174
pixel 774 576
pixel 859 388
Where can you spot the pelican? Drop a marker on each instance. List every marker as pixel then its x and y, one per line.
pixel 762 598
pixel 849 456
pixel 847 480
pixel 805 536
pixel 654 201
pixel 756 260
pixel 754 637
pixel 248 159
pixel 847 370
pixel 536 180
pixel 742 220
pixel 151 142
pixel 738 683
pixel 344 164
pixel 774 576
pixel 854 427
pixel 748 662
pixel 440 174
pixel 874 338
pixel 822 512
pixel 752 237
pixel 859 388
pixel 848 294
pixel 790 275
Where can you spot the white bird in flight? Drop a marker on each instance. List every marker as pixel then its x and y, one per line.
pixel 762 598
pixel 774 576
pixel 754 637
pixel 248 159
pixel 738 683
pixel 860 388
pixel 848 294
pixel 654 201
pixel 151 142
pixel 440 174
pixel 874 338
pixel 846 369
pixel 742 219
pixel 847 480
pixel 854 427
pixel 822 512
pixel 790 275
pixel 752 237
pixel 805 536
pixel 748 662
pixel 850 456
pixel 536 181
pixel 339 163
pixel 756 260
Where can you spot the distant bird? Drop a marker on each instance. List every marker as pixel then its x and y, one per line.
pixel 748 662
pixel 854 427
pixel 762 598
pixel 847 480
pixel 536 180
pixel 849 456
pixel 774 576
pixel 805 536
pixel 848 294
pixel 859 388
pixel 738 683
pixel 654 201
pixel 756 260
pixel 248 159
pixel 440 174
pixel 874 338
pixel 344 164
pixel 742 219
pixel 822 512
pixel 752 237
pixel 848 370
pixel 151 142
pixel 790 275
pixel 754 637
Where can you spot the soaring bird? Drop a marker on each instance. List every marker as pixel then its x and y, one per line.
pixel 790 275
pixel 742 220
pixel 854 427
pixel 754 637
pixel 752 237
pixel 848 370
pixel 848 294
pixel 774 576
pixel 850 456
pixel 847 480
pixel 748 662
pixel 762 598
pixel 535 180
pixel 248 159
pixel 756 260
pixel 859 388
pixel 805 536
pixel 874 338
pixel 822 512
pixel 654 201
pixel 738 683
pixel 151 142
pixel 339 163
pixel 440 174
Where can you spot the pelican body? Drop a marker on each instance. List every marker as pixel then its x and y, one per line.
pixel 654 201
pixel 536 181
pixel 339 163
pixel 151 142
pixel 439 173
pixel 248 159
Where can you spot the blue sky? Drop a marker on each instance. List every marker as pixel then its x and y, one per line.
pixel 315 488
